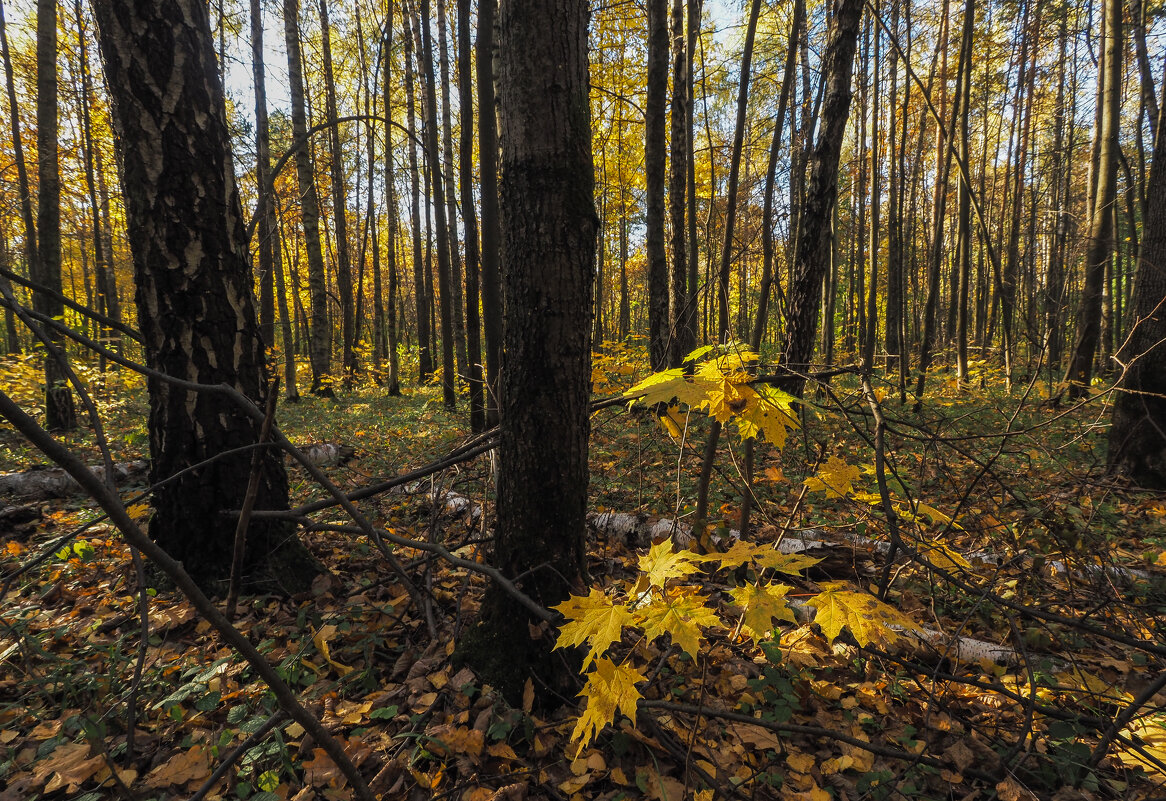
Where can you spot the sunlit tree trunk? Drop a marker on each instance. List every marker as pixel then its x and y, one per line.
pixel 456 308
pixel 814 240
pixel 424 353
pixel 680 342
pixel 392 332
pixel 320 335
pixel 437 183
pixel 339 204
pixel 734 174
pixel 964 202
pixel 105 277
pixel 469 217
pixel 1099 246
pixel 46 269
pixel 488 191
pixel 654 170
pixel 264 205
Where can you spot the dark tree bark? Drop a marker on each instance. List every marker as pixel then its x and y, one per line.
pixel 734 176
pixel 194 292
pixel 456 301
pixel 682 339
pixel 339 205
pixel 392 332
pixel 469 217
pixel 106 280
pixel 264 207
pixel 46 269
pixel 1099 247
pixel 320 334
pixel 431 138
pixel 488 192
pixel 549 227
pixel 655 157
pixel 424 352
pixel 814 239
pixel 1137 438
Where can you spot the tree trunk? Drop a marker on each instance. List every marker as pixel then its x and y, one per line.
pixel 195 302
pixel 320 334
pixel 814 239
pixel 437 182
pixel 549 227
pixel 767 234
pixel 488 191
pixel 457 316
pixel 654 167
pixel 1137 438
pixel 469 217
pixel 1099 246
pixel 264 206
pixel 393 381
pixel 106 280
pixel 964 202
pixel 339 205
pixel 734 175
pixel 424 353
pixel 46 270
pixel 681 342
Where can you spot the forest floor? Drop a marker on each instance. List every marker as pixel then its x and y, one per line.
pixel 1047 560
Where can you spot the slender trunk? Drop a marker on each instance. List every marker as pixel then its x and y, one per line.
pixel 691 319
pixel 393 381
pixel 1099 246
pixel 964 207
pixel 437 183
pixel 263 204
pixel 469 217
pixel 46 270
pixel 767 232
pixel 344 286
pixel 813 254
pixel 680 341
pixel 654 170
pixel 734 174
pixel 455 261
pixel 424 354
pixel 488 190
pixel 320 339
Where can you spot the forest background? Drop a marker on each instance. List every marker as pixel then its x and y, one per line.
pixel 920 244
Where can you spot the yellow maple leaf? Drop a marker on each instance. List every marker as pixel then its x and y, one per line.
pixel 788 563
pixel 761 605
pixel 739 554
pixel 1150 733
pixel 591 619
pixel 835 478
pixel 661 564
pixel 610 688
pixel 681 613
pixel 664 387
pixel 867 618
pixel 672 421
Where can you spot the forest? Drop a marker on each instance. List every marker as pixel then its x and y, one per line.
pixel 513 399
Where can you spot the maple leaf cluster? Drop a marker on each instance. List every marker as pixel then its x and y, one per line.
pixel 664 601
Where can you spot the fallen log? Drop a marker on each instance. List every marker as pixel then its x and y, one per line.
pixel 43 483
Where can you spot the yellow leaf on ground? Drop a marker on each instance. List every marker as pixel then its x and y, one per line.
pixel 183 768
pixel 1150 733
pixel 799 762
pixel 68 766
pixel 592 619
pixel 320 640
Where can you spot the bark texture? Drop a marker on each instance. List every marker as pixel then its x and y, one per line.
pixel 1137 439
pixel 814 238
pixel 548 233
pixel 194 292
